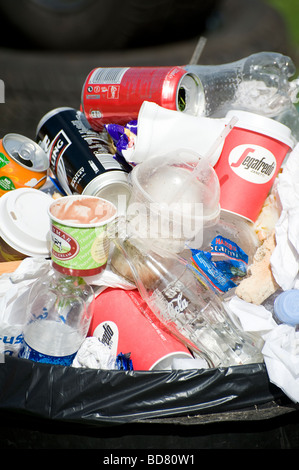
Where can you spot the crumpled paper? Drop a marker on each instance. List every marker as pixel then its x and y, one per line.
pixel 279 343
pixel 285 258
pixel 281 355
pixel 94 355
pixel 250 317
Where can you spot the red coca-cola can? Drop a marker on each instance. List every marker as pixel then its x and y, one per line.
pixel 115 94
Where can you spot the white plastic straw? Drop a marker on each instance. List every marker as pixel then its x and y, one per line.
pixel 198 51
pixel 221 137
pixel 196 171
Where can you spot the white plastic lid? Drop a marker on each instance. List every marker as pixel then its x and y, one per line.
pixel 263 125
pixel 25 223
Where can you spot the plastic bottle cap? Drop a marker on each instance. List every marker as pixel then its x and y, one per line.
pixel 286 307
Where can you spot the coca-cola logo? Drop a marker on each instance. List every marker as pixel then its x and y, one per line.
pixel 253 163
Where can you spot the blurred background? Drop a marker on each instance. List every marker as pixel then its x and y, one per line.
pixel 48 47
pixel 289 10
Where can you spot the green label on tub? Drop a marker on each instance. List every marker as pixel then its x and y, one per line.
pixel 79 248
pixel 3 160
pixel 6 184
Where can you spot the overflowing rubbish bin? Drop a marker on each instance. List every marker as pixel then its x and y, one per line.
pixel 149 251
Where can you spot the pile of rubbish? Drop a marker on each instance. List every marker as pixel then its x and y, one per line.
pixel 155 227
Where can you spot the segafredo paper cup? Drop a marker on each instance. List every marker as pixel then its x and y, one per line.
pixel 251 158
pixel 79 241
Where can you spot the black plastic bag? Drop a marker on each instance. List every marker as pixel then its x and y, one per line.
pixel 103 397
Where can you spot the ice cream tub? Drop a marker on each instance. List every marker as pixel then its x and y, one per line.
pixel 79 240
pixel 251 158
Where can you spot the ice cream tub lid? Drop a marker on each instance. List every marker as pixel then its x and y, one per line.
pixel 25 224
pixel 286 307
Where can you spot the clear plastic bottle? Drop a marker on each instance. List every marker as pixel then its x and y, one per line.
pixel 259 83
pixel 59 311
pixel 192 312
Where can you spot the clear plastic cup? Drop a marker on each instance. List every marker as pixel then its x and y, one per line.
pixel 173 198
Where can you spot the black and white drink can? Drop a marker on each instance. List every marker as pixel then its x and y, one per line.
pixel 81 159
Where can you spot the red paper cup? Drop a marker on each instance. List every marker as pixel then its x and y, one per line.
pixel 124 321
pixel 250 160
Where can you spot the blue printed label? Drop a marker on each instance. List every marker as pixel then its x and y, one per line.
pixel 209 273
pixel 29 353
pixel 224 246
pixel 226 261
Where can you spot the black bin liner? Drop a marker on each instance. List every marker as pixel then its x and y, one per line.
pixel 104 397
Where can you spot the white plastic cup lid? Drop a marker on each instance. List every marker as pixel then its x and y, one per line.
pixel 286 307
pixel 25 223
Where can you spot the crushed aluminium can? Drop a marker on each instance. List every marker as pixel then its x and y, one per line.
pixel 22 163
pixel 115 94
pixel 80 158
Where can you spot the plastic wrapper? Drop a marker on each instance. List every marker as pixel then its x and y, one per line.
pixel 123 137
pixel 222 266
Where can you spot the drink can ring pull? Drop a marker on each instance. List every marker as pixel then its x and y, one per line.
pixel 27 153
